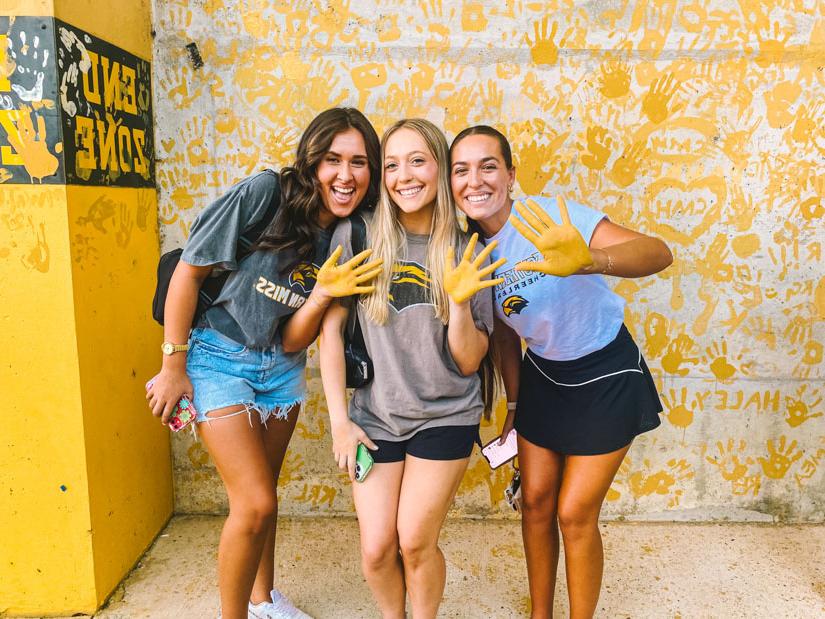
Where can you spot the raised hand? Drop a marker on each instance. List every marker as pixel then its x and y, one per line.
pixel 563 248
pixel 343 280
pixel 464 280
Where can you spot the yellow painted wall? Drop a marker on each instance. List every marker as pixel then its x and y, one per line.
pixel 127 24
pixel 45 522
pixel 85 470
pixel 698 120
pixel 114 257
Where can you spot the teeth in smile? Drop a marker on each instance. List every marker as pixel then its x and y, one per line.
pixel 479 198
pixel 409 192
pixel 344 190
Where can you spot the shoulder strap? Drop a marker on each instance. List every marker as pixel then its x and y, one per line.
pixel 359 233
pixel 250 236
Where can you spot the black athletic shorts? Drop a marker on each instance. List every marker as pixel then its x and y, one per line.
pixel 441 443
pixel 592 405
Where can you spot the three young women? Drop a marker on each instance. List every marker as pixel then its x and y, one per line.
pixel 246 356
pixel 582 391
pixel 426 328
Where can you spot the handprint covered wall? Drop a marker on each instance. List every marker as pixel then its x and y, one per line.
pixel 698 121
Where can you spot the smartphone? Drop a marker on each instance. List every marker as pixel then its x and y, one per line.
pixel 363 462
pixel 497 454
pixel 183 414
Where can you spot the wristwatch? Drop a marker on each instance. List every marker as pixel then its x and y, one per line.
pixel 169 348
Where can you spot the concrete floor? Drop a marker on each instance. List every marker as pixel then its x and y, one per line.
pixel 652 570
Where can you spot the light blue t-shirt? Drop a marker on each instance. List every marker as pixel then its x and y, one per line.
pixel 560 318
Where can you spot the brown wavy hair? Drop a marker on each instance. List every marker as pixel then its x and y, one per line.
pixel 295 225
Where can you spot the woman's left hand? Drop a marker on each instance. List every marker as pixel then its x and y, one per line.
pixel 464 280
pixel 343 280
pixel 564 250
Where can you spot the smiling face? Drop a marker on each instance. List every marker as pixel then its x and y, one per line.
pixel 410 172
pixel 344 176
pixel 480 179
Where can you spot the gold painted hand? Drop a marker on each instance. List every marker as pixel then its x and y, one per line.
pixel 565 251
pixel 343 280
pixel 464 280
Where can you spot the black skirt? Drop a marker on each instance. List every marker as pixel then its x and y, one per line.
pixel 588 406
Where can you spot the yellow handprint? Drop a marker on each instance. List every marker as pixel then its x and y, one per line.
pixel 614 80
pixel 655 103
pixel 625 168
pixel 780 458
pixel 543 48
pixel 347 279
pixel 798 411
pixel 675 356
pixel 599 144
pixel 467 278
pixel 677 411
pixel 730 466
pixel 717 358
pixel 33 147
pixel 564 250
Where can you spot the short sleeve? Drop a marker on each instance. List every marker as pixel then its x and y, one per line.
pixel 214 236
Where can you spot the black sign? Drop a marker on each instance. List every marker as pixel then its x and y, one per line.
pixel 106 107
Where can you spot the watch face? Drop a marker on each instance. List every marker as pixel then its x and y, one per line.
pixel 167 348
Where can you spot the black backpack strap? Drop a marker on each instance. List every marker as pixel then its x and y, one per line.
pixel 251 236
pixel 359 233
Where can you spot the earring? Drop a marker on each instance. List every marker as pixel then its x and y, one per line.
pixel 509 189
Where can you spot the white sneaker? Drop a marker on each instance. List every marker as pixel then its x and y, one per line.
pixel 279 608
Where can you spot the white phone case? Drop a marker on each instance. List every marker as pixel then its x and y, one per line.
pixel 497 454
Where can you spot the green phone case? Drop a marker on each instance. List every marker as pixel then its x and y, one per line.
pixel 363 462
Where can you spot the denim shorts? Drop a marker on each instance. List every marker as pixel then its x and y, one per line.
pixel 226 373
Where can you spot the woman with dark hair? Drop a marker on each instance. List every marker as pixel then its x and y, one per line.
pixel 245 363
pixel 582 392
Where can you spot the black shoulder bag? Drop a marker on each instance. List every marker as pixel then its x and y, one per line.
pixel 358 362
pixel 212 286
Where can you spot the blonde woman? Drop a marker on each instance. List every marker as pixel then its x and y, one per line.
pixel 426 328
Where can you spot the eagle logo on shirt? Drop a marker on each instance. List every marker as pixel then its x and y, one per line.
pixel 409 285
pixel 514 304
pixel 304 276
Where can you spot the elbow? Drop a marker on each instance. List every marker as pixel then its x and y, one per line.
pixel 291 344
pixel 666 256
pixel 468 369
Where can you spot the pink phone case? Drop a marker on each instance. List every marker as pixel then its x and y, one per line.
pixel 497 454
pixel 182 415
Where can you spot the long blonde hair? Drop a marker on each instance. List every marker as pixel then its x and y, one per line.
pixel 386 235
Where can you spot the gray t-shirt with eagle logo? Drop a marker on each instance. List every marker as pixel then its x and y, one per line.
pixel 417 384
pixel 258 294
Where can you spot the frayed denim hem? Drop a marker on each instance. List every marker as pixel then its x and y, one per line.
pixel 278 411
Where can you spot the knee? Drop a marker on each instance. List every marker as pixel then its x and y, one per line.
pixel 376 555
pixel 415 549
pixel 255 513
pixel 537 504
pixel 577 521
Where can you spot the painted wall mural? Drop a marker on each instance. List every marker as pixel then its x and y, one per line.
pixel 696 120
pixel 74 109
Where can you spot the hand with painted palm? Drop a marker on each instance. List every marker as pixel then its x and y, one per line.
pixel 462 281
pixel 564 250
pixel 343 280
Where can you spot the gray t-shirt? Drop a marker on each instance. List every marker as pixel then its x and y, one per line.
pixel 257 295
pixel 417 384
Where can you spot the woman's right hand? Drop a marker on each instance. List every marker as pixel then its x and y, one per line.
pixel 165 392
pixel 345 439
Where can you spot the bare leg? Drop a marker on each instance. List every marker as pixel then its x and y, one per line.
pixel 585 483
pixel 541 471
pixel 237 447
pixel 376 503
pixel 277 434
pixel 427 491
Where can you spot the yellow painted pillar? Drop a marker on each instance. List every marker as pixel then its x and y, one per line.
pixel 85 471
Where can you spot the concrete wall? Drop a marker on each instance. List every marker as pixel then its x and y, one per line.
pixel 85 472
pixel 697 121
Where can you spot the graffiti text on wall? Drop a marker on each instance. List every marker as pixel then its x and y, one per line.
pixel 105 97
